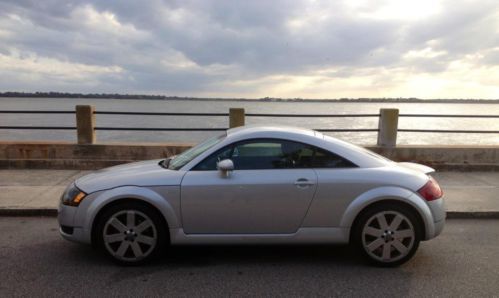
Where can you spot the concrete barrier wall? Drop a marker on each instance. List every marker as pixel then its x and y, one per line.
pixel 483 158
pixel 61 155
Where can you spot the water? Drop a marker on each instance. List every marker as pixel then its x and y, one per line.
pixel 363 138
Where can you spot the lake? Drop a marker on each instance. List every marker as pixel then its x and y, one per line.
pixel 201 106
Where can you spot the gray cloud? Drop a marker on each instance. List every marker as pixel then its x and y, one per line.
pixel 182 47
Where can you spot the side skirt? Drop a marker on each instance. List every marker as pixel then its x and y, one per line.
pixel 302 236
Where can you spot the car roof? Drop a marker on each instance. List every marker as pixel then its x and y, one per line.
pixel 249 130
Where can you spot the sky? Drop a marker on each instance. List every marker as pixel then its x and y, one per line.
pixel 253 49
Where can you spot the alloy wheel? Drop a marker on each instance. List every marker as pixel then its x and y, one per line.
pixel 129 235
pixel 388 236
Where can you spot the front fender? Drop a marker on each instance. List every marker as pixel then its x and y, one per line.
pixel 389 193
pixel 88 210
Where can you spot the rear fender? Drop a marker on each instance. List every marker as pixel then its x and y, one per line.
pixel 388 193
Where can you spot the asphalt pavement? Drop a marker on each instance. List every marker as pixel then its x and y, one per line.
pixel 35 261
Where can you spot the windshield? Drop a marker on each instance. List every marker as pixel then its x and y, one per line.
pixel 186 156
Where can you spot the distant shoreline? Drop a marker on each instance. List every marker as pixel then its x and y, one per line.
pixel 265 99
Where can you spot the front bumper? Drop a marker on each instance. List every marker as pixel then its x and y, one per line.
pixel 68 230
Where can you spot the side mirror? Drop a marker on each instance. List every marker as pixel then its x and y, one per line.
pixel 225 166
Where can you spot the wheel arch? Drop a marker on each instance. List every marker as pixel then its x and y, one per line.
pixel 95 222
pixel 129 194
pixel 420 220
pixel 389 195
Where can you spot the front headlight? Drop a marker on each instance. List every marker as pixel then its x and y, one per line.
pixel 72 196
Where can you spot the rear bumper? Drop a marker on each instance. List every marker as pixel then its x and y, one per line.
pixel 437 208
pixel 439 227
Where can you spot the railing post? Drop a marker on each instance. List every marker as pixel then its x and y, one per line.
pixel 85 124
pixel 388 124
pixel 236 117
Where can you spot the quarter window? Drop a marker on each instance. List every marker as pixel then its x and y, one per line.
pixel 326 159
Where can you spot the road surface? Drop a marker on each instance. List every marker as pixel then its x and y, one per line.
pixel 35 261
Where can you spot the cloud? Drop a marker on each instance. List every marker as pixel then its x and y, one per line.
pixel 303 48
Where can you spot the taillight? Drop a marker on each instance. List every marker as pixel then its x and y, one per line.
pixel 431 190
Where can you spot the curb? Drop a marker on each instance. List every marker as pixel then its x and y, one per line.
pixel 472 214
pixel 29 212
pixel 53 213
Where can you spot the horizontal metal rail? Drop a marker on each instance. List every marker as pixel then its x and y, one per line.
pixel 227 114
pixel 223 129
pixel 217 129
pixel 346 129
pixel 448 116
pixel 311 115
pixel 112 128
pixel 192 114
pixel 35 112
pixel 447 131
pixel 247 114
pixel 39 127
pixel 160 113
pixel 159 129
pixel 166 128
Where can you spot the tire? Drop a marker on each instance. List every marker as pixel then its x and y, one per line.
pixel 131 233
pixel 387 235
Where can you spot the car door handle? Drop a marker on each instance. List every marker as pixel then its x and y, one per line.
pixel 303 182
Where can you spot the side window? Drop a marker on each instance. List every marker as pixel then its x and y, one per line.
pixel 264 154
pixel 259 155
pixel 326 159
pixel 272 154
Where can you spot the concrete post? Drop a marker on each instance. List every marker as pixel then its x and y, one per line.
pixel 236 117
pixel 85 124
pixel 388 124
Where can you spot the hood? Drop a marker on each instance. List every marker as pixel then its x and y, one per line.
pixel 145 173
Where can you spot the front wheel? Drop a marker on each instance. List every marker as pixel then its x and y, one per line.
pixel 131 233
pixel 387 235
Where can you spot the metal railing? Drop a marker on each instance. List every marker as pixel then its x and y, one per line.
pixel 184 114
pixel 45 112
pixel 387 126
pixel 449 130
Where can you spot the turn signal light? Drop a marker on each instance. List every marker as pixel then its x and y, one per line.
pixel 431 190
pixel 72 196
pixel 77 199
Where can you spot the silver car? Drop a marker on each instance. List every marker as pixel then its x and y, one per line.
pixel 257 185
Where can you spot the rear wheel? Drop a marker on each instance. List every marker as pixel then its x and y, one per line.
pixel 388 235
pixel 131 233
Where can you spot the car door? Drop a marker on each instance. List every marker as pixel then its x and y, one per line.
pixel 268 192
